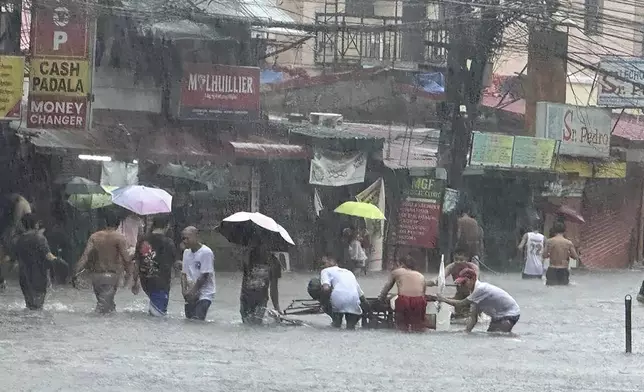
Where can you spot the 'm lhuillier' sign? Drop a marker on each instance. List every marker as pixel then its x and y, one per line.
pixel 219 92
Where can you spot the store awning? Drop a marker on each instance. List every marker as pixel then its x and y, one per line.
pixel 163 145
pixel 244 150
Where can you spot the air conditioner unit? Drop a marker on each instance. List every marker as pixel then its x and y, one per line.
pixel 284 259
pixel 325 119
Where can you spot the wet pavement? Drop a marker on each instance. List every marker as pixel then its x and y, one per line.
pixel 568 339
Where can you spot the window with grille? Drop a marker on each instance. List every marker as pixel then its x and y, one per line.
pixel 592 16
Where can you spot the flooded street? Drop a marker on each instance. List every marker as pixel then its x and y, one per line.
pixel 567 339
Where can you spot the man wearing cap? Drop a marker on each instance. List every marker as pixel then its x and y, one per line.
pixel 486 298
pixel 454 269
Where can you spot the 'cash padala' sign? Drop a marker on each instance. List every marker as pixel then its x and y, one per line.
pixel 584 131
pixel 219 92
pixel 59 77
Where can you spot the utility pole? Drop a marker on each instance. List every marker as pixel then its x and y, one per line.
pixel 454 140
pixel 470 47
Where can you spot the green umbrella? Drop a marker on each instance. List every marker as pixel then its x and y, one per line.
pixel 92 201
pixel 80 185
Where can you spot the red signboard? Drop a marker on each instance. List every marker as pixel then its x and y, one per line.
pixel 219 92
pixel 418 224
pixel 419 213
pixel 46 111
pixel 60 28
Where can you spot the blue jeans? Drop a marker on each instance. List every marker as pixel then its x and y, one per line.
pixel 159 302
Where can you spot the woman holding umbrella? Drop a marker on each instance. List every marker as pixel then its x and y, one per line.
pixel 261 275
pixel 262 271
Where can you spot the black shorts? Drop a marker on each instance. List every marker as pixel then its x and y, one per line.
pixel 496 323
pixel 197 310
pixel 528 276
pixel 253 309
pixel 557 276
pixel 352 320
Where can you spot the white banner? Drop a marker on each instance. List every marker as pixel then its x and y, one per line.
pixel 583 130
pixel 119 174
pixel 332 168
pixel 375 194
pixel 613 92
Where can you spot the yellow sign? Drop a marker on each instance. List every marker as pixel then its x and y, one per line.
pixel 489 149
pixel 591 170
pixel 533 153
pixel 59 77
pixel 12 71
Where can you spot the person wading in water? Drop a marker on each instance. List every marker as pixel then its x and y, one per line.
pixel 559 250
pixel 110 258
pixel 155 257
pixel 35 260
pixel 261 275
pixel 532 245
pixel 411 304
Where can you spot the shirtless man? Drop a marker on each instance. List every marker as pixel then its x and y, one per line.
pixel 411 303
pixel 559 250
pixel 110 257
pixel 469 236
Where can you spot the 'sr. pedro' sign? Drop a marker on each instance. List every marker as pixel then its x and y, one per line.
pixel 59 77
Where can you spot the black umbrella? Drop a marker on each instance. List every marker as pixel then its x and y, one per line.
pixel 241 228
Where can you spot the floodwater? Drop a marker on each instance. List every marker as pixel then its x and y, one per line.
pixel 568 339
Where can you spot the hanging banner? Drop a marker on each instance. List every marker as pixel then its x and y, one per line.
pixel 333 168
pixel 374 194
pixel 419 213
pixel 450 200
pixel 11 79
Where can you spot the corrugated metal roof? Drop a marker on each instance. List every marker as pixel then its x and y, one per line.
pixel 341 132
pixel 269 151
pixel 402 149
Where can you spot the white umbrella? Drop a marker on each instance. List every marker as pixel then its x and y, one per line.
pixel 143 200
pixel 238 220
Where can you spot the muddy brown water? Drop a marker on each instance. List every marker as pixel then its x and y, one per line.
pixel 568 339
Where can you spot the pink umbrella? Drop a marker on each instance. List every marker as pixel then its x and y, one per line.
pixel 143 200
pixel 570 214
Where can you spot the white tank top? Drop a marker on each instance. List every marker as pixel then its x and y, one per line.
pixel 534 254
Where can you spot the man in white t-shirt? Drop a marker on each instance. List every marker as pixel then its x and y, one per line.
pixel 486 298
pixel 198 276
pixel 341 287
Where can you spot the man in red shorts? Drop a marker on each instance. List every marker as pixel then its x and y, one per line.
pixel 411 304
